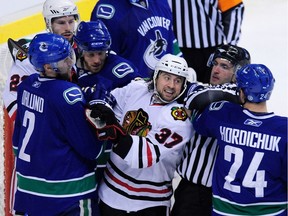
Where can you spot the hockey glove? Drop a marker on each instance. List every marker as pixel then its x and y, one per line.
pixel 102 117
pixel 122 141
pixel 98 92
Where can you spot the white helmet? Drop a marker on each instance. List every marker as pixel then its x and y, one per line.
pixel 175 65
pixel 59 8
pixel 192 75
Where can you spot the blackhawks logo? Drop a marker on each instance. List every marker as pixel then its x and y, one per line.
pixel 179 113
pixel 20 56
pixel 136 122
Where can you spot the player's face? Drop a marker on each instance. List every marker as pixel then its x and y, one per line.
pixel 169 86
pixel 64 26
pixel 94 60
pixel 222 72
pixel 65 66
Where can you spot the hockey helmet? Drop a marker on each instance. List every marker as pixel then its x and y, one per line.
pixel 49 48
pixel 238 56
pixel 55 8
pixel 175 65
pixel 92 36
pixel 256 81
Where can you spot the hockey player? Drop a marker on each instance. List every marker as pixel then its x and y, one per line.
pixel 139 173
pixel 56 147
pixel 250 176
pixel 61 17
pixel 141 30
pixel 193 195
pixel 96 63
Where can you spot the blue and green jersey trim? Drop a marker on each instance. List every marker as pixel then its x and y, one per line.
pixel 60 188
pixel 226 207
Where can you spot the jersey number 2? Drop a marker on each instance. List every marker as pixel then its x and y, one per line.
pixel 29 123
pixel 252 172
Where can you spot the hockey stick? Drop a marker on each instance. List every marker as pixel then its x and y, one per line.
pixel 16 45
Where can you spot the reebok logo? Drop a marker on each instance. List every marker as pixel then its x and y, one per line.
pixel 253 122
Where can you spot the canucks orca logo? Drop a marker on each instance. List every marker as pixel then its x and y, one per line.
pixel 155 50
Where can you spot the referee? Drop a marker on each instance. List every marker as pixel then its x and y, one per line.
pixel 202 26
pixel 193 195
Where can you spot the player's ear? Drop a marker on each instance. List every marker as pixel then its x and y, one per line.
pixel 48 69
pixel 241 96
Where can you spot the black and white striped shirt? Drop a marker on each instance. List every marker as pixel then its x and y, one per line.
pixel 201 24
pixel 198 160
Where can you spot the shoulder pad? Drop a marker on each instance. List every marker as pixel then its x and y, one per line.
pixel 16 53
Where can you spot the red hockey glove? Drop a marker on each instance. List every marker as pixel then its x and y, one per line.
pixel 102 117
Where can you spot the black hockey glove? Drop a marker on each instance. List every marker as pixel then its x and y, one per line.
pixel 102 117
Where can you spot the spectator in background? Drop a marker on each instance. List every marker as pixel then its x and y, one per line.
pixel 201 26
pixel 141 30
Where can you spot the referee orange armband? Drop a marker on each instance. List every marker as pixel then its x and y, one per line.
pixel 225 5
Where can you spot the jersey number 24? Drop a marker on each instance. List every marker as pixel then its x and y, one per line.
pixel 253 178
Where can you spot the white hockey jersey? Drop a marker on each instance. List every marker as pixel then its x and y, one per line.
pixel 20 69
pixel 143 178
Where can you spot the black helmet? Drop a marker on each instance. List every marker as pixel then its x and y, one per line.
pixel 238 56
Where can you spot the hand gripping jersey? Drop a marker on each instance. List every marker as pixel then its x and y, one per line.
pixel 250 174
pixel 116 72
pixel 55 146
pixel 139 34
pixel 144 177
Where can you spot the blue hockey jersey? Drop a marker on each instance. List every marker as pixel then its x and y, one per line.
pixel 140 34
pixel 55 147
pixel 250 175
pixel 116 72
